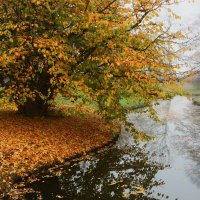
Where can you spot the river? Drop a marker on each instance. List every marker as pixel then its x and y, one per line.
pixel 167 167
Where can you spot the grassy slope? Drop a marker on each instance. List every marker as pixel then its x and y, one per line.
pixel 131 102
pixel 196 100
pixel 194 92
pixel 196 95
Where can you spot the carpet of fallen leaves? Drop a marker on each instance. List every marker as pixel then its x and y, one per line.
pixel 28 143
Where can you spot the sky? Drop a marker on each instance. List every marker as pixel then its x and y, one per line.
pixel 190 17
pixel 189 12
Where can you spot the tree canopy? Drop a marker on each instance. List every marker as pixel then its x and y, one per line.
pixel 94 50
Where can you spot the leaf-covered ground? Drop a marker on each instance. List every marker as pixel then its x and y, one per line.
pixel 28 143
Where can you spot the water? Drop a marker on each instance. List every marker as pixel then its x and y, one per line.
pixel 128 171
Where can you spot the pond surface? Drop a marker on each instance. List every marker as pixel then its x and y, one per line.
pixel 166 168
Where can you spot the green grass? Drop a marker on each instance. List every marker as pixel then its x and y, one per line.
pixel 195 92
pixel 132 102
pixel 196 95
pixel 196 100
pixel 129 102
pixel 62 100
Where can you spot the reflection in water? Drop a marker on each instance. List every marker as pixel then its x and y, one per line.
pixel 178 138
pixel 161 131
pixel 126 173
pixel 130 172
pixel 190 142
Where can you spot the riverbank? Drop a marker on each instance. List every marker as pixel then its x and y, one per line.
pixel 195 95
pixel 28 144
pixel 196 100
pixel 131 172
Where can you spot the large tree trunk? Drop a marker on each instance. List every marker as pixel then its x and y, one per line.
pixel 37 107
pixel 33 108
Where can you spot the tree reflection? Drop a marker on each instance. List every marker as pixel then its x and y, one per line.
pixel 126 173
pixel 189 142
pixel 160 130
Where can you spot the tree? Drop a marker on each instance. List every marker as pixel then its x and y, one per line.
pixel 98 51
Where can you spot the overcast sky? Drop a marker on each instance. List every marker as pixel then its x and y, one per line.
pixel 190 17
pixel 189 12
